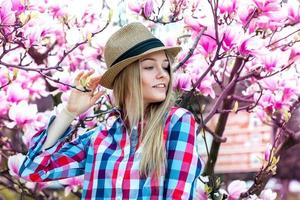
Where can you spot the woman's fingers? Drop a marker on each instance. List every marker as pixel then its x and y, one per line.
pixel 86 75
pixel 77 78
pixel 86 81
pixel 94 82
pixel 96 79
pixel 82 78
pixel 96 96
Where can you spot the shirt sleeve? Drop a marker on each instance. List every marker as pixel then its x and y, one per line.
pixel 62 160
pixel 183 161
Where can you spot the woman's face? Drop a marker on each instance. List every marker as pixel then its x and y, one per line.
pixel 155 76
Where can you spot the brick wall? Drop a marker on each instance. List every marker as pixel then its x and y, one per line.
pixel 247 139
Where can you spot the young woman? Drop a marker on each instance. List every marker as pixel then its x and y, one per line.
pixel 149 152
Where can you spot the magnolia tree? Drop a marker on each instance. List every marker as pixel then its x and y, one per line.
pixel 238 55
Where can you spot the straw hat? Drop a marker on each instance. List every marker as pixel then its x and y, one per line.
pixel 127 45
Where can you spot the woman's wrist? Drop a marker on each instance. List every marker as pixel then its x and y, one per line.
pixel 60 124
pixel 69 113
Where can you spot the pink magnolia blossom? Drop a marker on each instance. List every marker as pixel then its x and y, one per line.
pixel 288 94
pixel 38 124
pixel 267 5
pixel 193 24
pixel 268 194
pixel 4 79
pixel 230 37
pixel 266 101
pixel 4 105
pixel 38 6
pixel 235 188
pixel 245 11
pixel 277 95
pixel 63 77
pixel 72 184
pixel 7 16
pixel 170 41
pixel 29 132
pixel 148 8
pixel 271 20
pixel 38 89
pixel 40 31
pixel 273 60
pixel 207 44
pixel 22 114
pixel 60 37
pixel 32 83
pixel 18 6
pixel 75 63
pixel 86 19
pixel 271 84
pixel 268 15
pixel 206 88
pixel 295 54
pixel 14 163
pixel 251 46
pixel 293 11
pixel 56 11
pixel 182 82
pixel 263 22
pixel 135 6
pixel 32 34
pixel 271 15
pixel 262 112
pixel 282 91
pixel 15 93
pixel 227 6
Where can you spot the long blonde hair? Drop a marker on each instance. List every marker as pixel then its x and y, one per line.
pixel 128 92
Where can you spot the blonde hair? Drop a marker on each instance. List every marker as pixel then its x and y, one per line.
pixel 127 89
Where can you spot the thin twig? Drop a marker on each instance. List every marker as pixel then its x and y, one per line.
pixel 191 50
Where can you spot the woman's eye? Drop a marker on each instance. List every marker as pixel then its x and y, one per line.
pixel 148 67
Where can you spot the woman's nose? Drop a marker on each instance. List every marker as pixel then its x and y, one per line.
pixel 161 72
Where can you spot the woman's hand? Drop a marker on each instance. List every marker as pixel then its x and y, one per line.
pixel 79 101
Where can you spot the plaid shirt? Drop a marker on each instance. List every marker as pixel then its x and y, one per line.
pixel 110 171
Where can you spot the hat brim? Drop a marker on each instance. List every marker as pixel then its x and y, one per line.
pixel 109 76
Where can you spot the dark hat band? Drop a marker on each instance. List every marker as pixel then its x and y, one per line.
pixel 139 49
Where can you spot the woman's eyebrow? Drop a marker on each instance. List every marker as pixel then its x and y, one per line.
pixel 153 59
pixel 145 59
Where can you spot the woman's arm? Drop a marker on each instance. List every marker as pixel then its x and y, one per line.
pixel 58 127
pixel 183 162
pixel 62 160
pixel 50 157
pixel 79 101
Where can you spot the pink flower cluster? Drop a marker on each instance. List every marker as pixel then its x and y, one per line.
pixel 278 96
pixel 184 80
pixel 235 189
pixel 14 101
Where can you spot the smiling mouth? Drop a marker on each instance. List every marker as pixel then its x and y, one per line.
pixel 161 85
